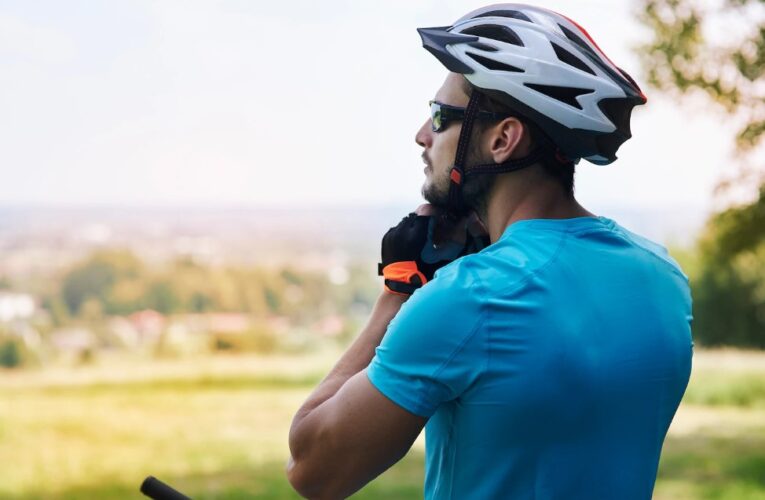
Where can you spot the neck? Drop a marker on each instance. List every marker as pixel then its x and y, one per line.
pixel 530 196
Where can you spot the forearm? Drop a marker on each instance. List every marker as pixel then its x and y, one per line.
pixel 356 358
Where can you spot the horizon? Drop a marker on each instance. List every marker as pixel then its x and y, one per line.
pixel 670 225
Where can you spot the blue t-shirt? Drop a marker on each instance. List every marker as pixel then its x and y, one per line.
pixel 550 364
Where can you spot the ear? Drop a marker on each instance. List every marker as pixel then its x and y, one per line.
pixel 508 139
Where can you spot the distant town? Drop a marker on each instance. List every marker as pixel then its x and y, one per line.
pixel 79 282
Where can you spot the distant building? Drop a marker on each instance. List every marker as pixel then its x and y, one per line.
pixel 16 306
pixel 148 323
pixel 25 331
pixel 73 340
pixel 125 330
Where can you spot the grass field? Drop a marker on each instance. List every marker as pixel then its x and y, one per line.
pixel 217 428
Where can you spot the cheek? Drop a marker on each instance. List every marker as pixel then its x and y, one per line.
pixel 444 148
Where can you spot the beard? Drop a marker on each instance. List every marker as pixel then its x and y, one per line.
pixel 475 188
pixel 435 189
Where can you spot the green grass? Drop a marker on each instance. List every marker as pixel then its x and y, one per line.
pixel 218 429
pixel 180 385
pixel 699 466
pixel 721 388
pixel 404 480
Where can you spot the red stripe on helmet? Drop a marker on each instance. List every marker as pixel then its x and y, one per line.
pixel 584 31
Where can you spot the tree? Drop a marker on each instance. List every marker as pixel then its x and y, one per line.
pixel 95 278
pixel 718 51
pixel 162 297
pixel 729 292
pixel 10 355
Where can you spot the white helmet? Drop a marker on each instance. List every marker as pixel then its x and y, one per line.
pixel 545 67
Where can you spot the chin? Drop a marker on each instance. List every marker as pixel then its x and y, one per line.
pixel 434 196
pixel 425 191
pixel 425 194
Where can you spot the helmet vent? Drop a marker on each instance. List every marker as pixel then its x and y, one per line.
pixel 483 46
pixel 495 32
pixel 577 40
pixel 492 64
pixel 570 59
pixel 565 95
pixel 514 14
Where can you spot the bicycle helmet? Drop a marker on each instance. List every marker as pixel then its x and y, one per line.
pixel 548 69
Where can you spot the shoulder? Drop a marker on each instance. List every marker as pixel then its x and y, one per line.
pixel 442 315
pixel 651 249
pixel 508 262
pixel 454 295
pixel 435 346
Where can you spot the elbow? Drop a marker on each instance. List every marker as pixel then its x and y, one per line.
pixel 299 470
pixel 296 479
pixel 301 481
pixel 309 470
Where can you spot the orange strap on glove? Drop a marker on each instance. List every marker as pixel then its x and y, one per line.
pixel 410 258
pixel 402 278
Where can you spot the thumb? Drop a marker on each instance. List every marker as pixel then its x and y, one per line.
pixel 425 209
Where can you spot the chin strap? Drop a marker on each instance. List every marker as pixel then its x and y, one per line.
pixel 455 204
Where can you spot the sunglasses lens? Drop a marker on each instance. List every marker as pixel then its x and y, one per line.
pixel 435 116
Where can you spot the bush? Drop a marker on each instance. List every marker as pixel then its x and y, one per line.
pixel 727 309
pixel 10 354
pixel 259 340
pixel 729 291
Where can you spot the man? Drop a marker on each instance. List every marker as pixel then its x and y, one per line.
pixel 546 365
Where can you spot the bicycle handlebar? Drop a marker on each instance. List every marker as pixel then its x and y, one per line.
pixel 156 489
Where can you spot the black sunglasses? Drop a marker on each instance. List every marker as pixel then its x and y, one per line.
pixel 441 114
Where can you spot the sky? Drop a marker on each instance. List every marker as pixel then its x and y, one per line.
pixel 241 102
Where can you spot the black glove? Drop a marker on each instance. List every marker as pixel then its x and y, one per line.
pixel 410 257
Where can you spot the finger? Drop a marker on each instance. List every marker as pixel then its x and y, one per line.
pixel 425 209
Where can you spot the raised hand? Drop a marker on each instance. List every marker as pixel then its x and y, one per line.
pixel 423 242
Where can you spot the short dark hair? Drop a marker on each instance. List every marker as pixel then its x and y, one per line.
pixel 562 172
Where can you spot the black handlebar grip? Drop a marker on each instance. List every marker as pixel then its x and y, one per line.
pixel 156 489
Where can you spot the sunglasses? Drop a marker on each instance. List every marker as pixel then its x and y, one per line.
pixel 441 114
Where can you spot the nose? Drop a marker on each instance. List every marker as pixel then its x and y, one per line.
pixel 424 136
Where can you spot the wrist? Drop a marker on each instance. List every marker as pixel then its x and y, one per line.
pixel 389 297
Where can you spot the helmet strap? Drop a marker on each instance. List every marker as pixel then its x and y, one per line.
pixel 455 207
pixel 455 204
pixel 535 156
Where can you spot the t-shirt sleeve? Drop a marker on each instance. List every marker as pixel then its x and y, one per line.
pixel 434 348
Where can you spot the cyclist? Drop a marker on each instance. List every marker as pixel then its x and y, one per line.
pixel 548 364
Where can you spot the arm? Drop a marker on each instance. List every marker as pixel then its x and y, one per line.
pixel 347 432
